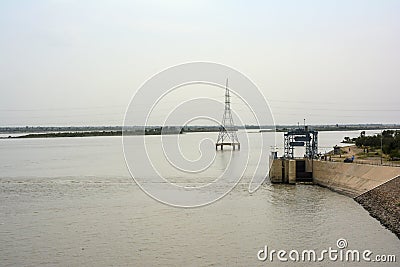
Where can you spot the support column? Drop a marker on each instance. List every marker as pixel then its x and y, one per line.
pixel 292 171
pixel 275 173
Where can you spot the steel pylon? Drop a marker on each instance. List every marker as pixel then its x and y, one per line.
pixel 227 134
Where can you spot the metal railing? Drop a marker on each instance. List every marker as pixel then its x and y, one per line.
pixel 370 162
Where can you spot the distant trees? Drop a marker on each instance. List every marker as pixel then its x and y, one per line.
pixel 390 142
pixel 348 140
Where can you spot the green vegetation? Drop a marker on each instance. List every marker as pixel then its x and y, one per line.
pixel 71 134
pixel 147 131
pixel 89 134
pixel 390 141
pixel 348 140
pixel 337 127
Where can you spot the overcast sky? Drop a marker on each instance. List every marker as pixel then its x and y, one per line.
pixel 80 62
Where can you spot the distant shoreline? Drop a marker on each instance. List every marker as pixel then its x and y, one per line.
pixel 278 127
pixel 92 131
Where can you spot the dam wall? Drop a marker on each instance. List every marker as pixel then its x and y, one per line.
pixel 350 178
pixel 347 178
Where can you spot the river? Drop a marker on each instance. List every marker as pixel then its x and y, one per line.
pixel 72 202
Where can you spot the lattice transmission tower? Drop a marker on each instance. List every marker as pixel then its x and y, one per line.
pixel 227 135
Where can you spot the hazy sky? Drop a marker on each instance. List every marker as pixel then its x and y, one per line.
pixel 80 62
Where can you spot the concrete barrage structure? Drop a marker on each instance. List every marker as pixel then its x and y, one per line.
pixel 347 178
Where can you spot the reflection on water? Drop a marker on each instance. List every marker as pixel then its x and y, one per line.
pixel 70 201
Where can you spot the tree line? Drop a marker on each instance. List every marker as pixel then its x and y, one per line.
pixel 389 139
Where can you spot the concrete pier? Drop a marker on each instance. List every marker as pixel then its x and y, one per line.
pixel 233 145
pixel 291 171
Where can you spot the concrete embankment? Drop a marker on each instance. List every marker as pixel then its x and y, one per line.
pixel 383 203
pixel 350 178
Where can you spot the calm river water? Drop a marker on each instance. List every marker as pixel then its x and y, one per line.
pixel 72 202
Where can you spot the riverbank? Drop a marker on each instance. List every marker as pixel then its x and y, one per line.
pixel 362 156
pixel 383 203
pixel 83 131
pixel 90 134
